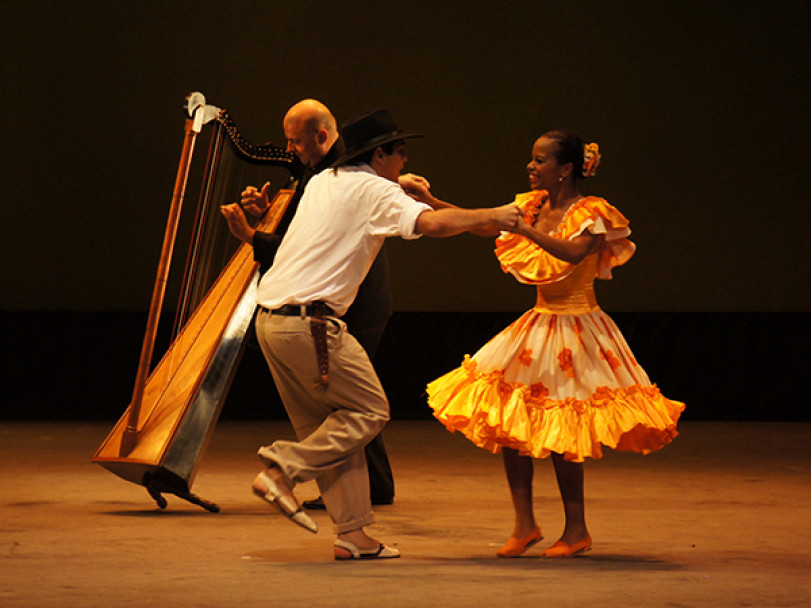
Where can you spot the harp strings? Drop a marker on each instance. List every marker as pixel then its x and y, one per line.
pixel 231 164
pixel 210 245
pixel 183 302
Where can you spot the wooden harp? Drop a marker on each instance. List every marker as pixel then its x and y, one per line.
pixel 161 437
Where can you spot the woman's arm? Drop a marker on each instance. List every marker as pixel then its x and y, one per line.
pixel 568 250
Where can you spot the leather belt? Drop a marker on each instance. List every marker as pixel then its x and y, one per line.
pixel 318 328
pixel 294 310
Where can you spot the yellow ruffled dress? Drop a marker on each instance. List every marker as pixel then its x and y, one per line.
pixel 561 378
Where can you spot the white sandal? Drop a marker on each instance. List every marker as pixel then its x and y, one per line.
pixel 379 552
pixel 288 506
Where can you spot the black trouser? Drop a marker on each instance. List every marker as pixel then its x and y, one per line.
pixel 381 479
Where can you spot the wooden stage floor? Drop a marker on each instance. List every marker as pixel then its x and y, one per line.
pixel 718 518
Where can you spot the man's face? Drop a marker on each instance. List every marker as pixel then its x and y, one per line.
pixel 392 165
pixel 302 141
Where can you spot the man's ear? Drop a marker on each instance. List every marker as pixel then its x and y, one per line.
pixel 321 137
pixel 377 157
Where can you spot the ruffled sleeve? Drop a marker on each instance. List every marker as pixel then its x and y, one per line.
pixel 530 264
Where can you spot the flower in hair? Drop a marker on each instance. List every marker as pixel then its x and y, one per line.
pixel 591 159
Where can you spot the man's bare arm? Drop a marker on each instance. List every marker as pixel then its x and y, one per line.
pixel 452 220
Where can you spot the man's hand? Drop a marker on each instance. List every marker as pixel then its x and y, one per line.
pixel 237 223
pixel 415 186
pixel 506 217
pixel 255 201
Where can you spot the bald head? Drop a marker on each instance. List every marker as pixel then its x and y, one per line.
pixel 310 129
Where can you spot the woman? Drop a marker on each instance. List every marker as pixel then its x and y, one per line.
pixel 561 379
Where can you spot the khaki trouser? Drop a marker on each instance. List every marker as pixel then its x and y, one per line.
pixel 333 423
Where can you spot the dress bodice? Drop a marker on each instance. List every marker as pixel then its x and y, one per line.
pixel 565 288
pixel 573 294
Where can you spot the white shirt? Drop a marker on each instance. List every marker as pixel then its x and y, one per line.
pixel 339 227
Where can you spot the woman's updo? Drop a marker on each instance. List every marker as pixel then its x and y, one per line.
pixel 585 158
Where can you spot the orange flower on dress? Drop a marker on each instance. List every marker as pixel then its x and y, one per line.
pixel 495 377
pixel 505 389
pixel 611 358
pixel 538 391
pixel 566 362
pixel 526 357
pixel 602 395
pixel 570 403
pixel 651 392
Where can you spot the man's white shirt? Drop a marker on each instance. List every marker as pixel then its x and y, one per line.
pixel 341 222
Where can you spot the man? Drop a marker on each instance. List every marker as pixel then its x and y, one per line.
pixel 312 135
pixel 330 390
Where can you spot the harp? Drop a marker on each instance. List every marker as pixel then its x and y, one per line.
pixel 161 437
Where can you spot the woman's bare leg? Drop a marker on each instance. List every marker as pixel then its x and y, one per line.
pixel 519 471
pixel 570 483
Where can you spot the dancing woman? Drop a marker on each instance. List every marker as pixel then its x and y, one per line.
pixel 560 380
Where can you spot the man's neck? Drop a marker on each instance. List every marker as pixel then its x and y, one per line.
pixel 330 157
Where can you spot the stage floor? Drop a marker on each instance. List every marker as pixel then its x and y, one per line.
pixel 718 518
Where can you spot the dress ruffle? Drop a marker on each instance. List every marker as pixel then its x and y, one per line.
pixel 532 265
pixel 494 413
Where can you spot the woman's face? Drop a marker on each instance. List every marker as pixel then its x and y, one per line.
pixel 543 170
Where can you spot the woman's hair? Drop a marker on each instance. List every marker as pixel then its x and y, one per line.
pixel 572 149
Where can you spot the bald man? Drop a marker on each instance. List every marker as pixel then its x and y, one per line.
pixel 312 135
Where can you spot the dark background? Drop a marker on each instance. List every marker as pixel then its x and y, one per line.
pixel 699 108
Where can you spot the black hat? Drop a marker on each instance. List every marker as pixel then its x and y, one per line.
pixel 367 132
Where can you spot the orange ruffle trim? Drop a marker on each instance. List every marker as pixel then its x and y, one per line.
pixel 532 265
pixel 494 413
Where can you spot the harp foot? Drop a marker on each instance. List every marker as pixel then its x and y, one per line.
pixel 196 500
pixel 158 497
pixel 155 489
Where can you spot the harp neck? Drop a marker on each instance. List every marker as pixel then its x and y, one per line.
pixel 265 154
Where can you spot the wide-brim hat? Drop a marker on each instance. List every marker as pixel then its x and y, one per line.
pixel 367 132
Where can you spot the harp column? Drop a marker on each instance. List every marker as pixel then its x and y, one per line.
pixel 199 114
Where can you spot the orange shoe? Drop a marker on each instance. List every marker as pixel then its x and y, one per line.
pixel 561 549
pixel 516 546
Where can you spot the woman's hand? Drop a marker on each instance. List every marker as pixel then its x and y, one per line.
pixel 416 186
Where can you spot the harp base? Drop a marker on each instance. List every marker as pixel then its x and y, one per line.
pixel 161 481
pixel 158 480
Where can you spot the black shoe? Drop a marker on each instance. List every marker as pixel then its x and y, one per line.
pixel 382 501
pixel 315 503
